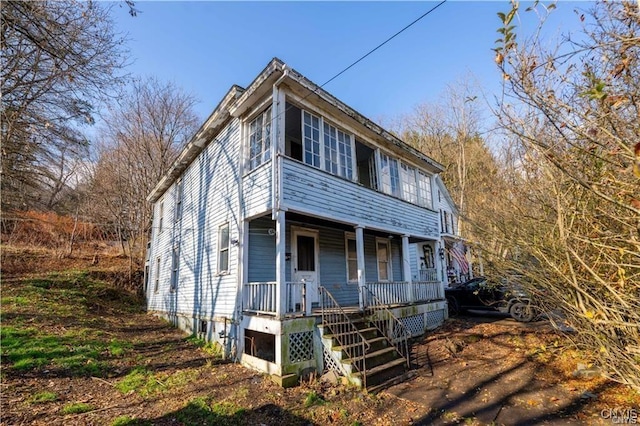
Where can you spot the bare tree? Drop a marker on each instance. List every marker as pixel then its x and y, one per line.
pixel 141 137
pixel 450 132
pixel 58 59
pixel 573 111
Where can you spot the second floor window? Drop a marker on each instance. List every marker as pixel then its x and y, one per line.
pixel 260 139
pixel 424 190
pixel 160 215
pixel 327 147
pixel 389 175
pixel 179 196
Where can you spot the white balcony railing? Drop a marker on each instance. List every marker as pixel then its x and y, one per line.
pixel 260 297
pixel 429 274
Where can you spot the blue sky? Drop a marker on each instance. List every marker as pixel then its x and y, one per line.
pixel 205 47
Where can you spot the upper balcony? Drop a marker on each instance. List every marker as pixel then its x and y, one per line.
pixel 332 170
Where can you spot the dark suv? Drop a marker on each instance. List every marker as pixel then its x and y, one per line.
pixel 481 294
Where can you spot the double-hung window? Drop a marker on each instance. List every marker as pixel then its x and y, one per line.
pixel 175 267
pixel 389 175
pixel 327 147
pixel 223 249
pixel 179 195
pixel 156 281
pixel 260 139
pixel 160 216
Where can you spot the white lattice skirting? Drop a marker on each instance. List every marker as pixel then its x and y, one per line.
pixel 434 318
pixel 301 346
pixel 414 323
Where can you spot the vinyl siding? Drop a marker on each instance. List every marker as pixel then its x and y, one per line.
pixel 310 190
pixel 256 191
pixel 262 251
pixel 210 199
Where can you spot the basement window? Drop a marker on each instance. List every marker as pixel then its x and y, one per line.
pixel 260 345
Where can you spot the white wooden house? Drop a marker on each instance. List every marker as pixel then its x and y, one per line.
pixel 284 230
pixel 449 260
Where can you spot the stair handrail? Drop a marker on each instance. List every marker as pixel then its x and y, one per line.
pixel 353 330
pixel 401 342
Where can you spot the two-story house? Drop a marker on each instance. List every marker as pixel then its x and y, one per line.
pixel 285 231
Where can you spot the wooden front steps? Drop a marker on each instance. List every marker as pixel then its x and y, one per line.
pixel 380 364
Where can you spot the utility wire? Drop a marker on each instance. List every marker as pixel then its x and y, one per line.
pixel 384 42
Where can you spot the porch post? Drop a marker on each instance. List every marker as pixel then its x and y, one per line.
pixel 360 261
pixel 281 291
pixel 406 267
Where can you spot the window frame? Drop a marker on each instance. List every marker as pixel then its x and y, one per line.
pixel 255 157
pixel 175 267
pixel 410 187
pixel 179 199
pixel 223 250
pixel 424 200
pixel 156 281
pixel 387 242
pixel 350 236
pixel 160 216
pixel 388 186
pixel 343 146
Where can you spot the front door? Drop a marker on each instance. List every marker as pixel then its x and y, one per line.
pixel 305 261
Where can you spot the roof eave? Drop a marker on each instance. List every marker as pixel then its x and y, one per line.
pixel 198 142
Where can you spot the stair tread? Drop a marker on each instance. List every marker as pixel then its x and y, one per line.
pixel 351 321
pixel 383 367
pixel 370 354
pixel 370 341
pixel 364 330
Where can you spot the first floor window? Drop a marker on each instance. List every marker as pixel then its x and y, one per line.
pixel 156 285
pixel 223 248
pixel 260 139
pixel 384 260
pixel 175 261
pixel 352 258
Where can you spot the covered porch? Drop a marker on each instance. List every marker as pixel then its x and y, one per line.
pixel 361 268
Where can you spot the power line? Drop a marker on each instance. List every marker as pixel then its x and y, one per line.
pixel 384 42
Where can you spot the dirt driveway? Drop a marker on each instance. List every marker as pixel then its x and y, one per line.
pixel 494 370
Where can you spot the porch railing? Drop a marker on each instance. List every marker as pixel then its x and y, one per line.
pixel 260 297
pixel 429 274
pixel 344 331
pixel 386 293
pixel 296 298
pixel 394 330
pixel 401 292
pixel 425 291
